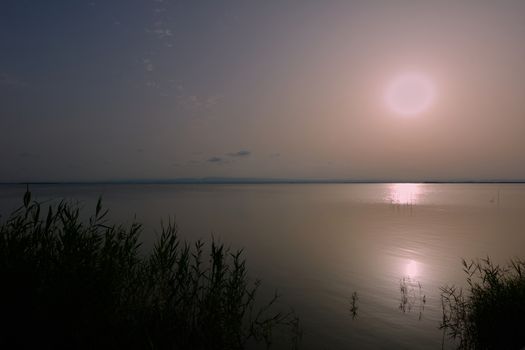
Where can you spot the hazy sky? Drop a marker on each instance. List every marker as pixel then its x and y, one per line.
pixel 108 90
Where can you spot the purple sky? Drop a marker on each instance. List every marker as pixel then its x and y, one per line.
pixel 160 89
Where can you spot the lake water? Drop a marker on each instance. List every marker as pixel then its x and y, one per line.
pixel 318 243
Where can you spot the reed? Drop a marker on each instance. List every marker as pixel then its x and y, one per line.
pixel 69 283
pixel 411 296
pixel 490 313
pixel 354 305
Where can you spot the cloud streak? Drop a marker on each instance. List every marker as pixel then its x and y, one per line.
pixel 241 153
pixel 215 160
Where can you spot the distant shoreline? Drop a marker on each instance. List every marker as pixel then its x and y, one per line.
pixel 221 181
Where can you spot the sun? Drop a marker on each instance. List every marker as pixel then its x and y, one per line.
pixel 410 93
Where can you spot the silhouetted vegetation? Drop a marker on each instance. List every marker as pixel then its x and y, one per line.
pixel 411 296
pixel 69 283
pixel 491 313
pixel 353 305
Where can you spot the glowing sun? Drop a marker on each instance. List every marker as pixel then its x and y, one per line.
pixel 410 93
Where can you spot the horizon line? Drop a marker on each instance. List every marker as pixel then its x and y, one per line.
pixel 235 180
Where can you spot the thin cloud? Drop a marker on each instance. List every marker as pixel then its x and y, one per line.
pixel 241 153
pixel 160 29
pixel 148 65
pixel 215 160
pixel 195 102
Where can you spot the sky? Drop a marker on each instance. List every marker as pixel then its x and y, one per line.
pixel 165 89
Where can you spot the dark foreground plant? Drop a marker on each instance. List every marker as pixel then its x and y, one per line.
pixel 412 296
pixel 66 283
pixel 491 314
pixel 353 305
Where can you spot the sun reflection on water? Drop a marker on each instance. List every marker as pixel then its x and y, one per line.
pixel 411 269
pixel 412 293
pixel 404 194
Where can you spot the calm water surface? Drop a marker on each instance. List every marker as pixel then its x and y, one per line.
pixel 318 243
